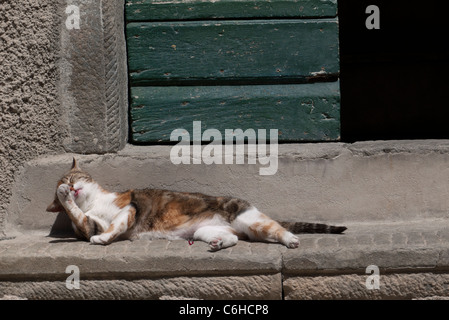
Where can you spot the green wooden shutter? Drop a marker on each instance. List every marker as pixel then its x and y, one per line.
pixel 234 64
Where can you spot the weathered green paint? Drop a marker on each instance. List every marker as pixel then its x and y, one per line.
pixel 306 112
pixel 196 60
pixel 238 50
pixel 158 10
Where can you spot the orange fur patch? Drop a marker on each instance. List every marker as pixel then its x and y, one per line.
pixel 267 230
pixel 123 199
pixel 110 229
pixel 254 228
pixel 172 217
pixel 131 217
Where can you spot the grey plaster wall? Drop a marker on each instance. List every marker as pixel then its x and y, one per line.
pixel 31 123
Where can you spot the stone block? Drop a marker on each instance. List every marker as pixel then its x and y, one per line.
pixel 93 76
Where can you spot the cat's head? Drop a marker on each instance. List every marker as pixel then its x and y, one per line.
pixel 75 178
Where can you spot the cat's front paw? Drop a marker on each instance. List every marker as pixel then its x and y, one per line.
pixel 100 239
pixel 64 193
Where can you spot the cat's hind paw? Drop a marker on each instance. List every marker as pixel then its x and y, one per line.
pixel 222 242
pixel 291 241
pixel 216 244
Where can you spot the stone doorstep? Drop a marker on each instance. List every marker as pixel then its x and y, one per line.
pixel 413 261
pixel 421 246
pixel 39 257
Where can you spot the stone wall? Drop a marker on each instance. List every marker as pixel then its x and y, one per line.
pixel 31 117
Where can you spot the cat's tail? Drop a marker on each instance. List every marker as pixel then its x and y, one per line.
pixel 305 227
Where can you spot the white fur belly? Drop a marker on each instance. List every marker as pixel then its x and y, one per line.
pixel 185 231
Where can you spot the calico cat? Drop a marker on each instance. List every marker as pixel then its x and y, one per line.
pixel 101 216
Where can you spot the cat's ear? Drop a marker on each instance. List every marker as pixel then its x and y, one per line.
pixel 55 206
pixel 75 164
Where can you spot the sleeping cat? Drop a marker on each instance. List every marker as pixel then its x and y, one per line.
pixel 101 216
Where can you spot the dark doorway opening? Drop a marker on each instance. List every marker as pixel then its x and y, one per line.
pixel 394 80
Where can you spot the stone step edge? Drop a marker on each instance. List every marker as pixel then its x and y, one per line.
pixel 160 258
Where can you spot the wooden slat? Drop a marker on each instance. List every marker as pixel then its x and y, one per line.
pixel 307 112
pixel 158 10
pixel 237 50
